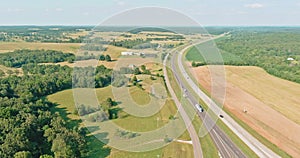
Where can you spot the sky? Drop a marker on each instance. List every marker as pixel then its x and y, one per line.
pixel 205 12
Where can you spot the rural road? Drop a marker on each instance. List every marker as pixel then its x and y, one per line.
pixel 193 134
pixel 226 147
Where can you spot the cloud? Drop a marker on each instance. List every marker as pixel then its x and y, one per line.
pixel 254 5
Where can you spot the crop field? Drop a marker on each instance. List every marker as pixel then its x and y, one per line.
pixel 270 102
pixel 64 47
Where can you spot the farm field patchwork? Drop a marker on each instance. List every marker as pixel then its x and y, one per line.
pixel 64 47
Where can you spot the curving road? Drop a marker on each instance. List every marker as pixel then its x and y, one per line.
pixel 226 147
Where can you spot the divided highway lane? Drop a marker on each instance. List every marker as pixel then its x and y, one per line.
pixel 226 148
pixel 190 128
pixel 260 149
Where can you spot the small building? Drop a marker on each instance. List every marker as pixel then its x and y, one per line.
pixel 127 53
pixel 290 59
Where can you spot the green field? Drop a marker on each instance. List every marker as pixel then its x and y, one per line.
pixel 65 105
pixel 195 54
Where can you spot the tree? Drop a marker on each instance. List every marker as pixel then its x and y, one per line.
pixel 23 154
pixel 147 72
pixel 46 156
pixel 107 58
pixel 143 67
pixel 134 80
pixel 137 71
pixel 102 57
pixel 194 64
pixel 109 102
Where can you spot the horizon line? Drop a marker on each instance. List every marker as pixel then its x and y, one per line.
pixel 92 25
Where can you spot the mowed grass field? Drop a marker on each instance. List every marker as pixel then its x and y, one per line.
pixel 64 47
pixel 65 102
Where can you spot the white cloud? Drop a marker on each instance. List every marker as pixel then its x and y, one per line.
pixel 254 5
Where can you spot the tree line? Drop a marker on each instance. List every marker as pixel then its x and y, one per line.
pixel 28 126
pixel 18 58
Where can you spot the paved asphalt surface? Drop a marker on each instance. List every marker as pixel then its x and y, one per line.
pixel 225 146
pixel 190 128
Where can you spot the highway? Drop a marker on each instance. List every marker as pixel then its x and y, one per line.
pixel 225 146
pixel 190 128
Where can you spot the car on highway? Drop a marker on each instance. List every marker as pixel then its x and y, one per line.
pixel 199 108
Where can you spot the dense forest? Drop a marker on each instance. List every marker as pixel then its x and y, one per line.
pixel 28 126
pixel 18 58
pixel 269 50
pixel 23 108
pixel 276 50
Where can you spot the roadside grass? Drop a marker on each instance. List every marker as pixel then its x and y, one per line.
pixel 208 147
pixel 174 150
pixel 64 47
pixel 193 54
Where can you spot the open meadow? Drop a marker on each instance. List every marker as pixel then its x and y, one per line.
pixel 65 102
